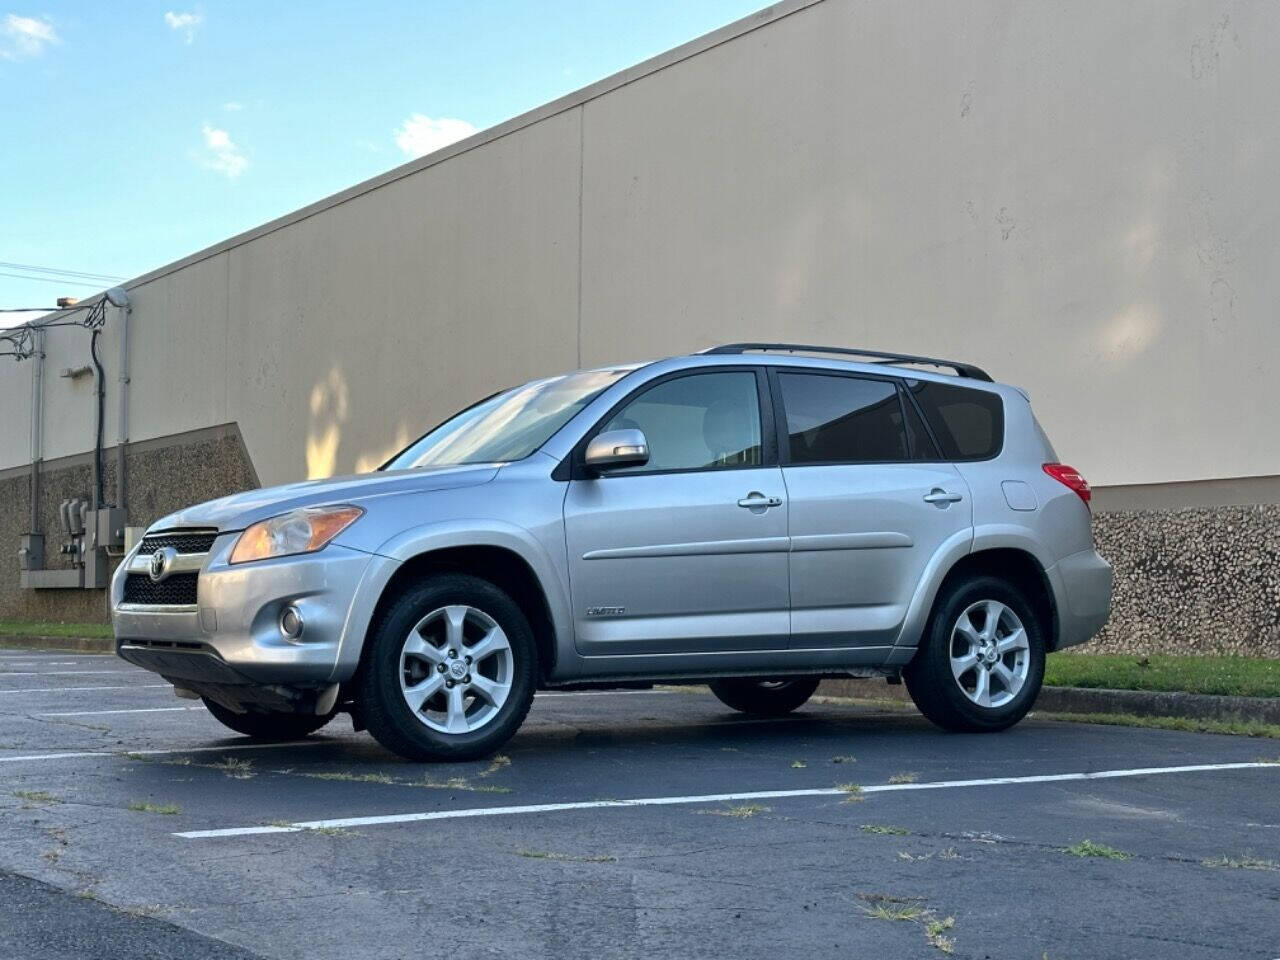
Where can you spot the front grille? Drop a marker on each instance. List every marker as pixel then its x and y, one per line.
pixel 177 589
pixel 184 541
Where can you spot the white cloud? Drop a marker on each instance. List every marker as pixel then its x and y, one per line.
pixel 233 106
pixel 420 135
pixel 221 153
pixel 186 22
pixel 24 37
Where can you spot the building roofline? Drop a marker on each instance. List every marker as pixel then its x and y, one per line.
pixel 708 41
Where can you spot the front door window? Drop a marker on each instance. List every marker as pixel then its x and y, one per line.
pixel 709 421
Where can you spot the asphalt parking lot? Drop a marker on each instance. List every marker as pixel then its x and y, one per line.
pixel 134 826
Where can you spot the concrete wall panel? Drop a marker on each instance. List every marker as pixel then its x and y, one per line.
pixel 1077 196
pixel 179 353
pixel 15 411
pixel 359 328
pixel 69 402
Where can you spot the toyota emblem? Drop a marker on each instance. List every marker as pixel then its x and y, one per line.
pixel 161 561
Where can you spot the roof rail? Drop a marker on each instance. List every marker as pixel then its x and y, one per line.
pixel 876 356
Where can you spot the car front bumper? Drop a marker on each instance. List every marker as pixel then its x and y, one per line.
pixel 232 634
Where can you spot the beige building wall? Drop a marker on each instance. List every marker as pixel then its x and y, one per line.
pixel 333 341
pixel 1079 197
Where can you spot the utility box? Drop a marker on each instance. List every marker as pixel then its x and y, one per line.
pixel 131 537
pixel 94 570
pixel 31 552
pixel 105 529
pixel 89 536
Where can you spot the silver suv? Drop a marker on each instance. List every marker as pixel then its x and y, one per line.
pixel 757 516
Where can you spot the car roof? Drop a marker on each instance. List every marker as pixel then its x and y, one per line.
pixel 877 363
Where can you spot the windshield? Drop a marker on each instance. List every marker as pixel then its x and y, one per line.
pixel 509 425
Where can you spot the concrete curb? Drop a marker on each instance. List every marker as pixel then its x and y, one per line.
pixel 75 644
pixel 1149 703
pixel 1142 703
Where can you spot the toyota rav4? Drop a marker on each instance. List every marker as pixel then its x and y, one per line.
pixel 756 517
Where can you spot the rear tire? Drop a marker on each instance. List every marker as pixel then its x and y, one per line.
pixel 981 661
pixel 268 726
pixel 766 698
pixel 450 670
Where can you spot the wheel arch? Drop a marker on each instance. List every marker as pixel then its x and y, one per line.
pixel 1018 567
pixel 503 567
pixel 508 557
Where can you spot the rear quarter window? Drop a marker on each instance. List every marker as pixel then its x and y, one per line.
pixel 969 424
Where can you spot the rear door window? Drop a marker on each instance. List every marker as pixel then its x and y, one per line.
pixel 832 418
pixel 968 423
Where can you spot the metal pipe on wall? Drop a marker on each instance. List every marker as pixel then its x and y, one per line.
pixel 37 403
pixel 100 390
pixel 123 437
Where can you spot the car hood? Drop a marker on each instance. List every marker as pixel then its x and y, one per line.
pixel 241 509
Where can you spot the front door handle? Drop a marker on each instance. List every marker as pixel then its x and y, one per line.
pixel 938 495
pixel 758 501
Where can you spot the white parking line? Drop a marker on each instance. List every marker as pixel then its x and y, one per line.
pixel 130 686
pixel 62 673
pixel 343 822
pixel 164 753
pixel 104 713
pixel 40 663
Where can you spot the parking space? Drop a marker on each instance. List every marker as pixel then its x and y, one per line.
pixel 640 823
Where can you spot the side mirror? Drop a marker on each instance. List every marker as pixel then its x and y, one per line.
pixel 617 448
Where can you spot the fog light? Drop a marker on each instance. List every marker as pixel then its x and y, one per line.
pixel 291 622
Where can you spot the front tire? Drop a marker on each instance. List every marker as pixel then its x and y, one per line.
pixel 267 726
pixel 766 698
pixel 981 661
pixel 450 670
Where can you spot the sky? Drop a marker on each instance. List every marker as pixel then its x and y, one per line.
pixel 133 134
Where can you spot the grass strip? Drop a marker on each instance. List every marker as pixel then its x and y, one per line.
pixel 40 628
pixel 1219 676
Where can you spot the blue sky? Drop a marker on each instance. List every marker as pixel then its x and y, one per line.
pixel 132 134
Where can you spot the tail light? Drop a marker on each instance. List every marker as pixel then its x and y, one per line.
pixel 1070 477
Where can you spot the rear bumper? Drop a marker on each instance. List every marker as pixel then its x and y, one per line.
pixel 231 636
pixel 1082 585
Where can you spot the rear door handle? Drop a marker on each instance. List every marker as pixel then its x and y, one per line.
pixel 758 501
pixel 938 495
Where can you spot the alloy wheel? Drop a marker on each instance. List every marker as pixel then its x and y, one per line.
pixel 456 669
pixel 990 654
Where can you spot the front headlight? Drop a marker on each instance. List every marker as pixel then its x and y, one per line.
pixel 299 531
